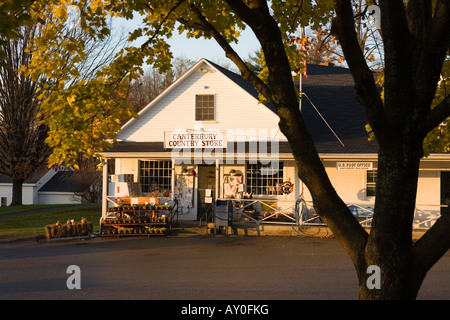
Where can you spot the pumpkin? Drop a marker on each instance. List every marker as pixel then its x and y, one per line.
pixel 83 220
pixel 57 223
pixel 69 222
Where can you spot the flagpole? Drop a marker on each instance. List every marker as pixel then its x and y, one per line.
pixel 301 92
pixel 300 85
pixel 300 80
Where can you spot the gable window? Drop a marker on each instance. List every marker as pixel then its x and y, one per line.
pixel 371 183
pixel 205 107
pixel 264 179
pixel 155 176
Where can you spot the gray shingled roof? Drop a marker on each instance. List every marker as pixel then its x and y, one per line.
pixel 331 91
pixel 36 177
pixel 60 182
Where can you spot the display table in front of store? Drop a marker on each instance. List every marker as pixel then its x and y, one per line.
pixel 136 221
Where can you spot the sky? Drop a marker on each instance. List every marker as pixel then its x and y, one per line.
pixel 195 49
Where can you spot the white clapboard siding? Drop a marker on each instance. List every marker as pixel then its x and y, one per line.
pixel 126 166
pixel 349 184
pixel 429 188
pixel 236 109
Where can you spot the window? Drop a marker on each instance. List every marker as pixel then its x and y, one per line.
pixel 264 179
pixel 204 107
pixel 155 176
pixel 127 178
pixel 371 182
pixel 111 163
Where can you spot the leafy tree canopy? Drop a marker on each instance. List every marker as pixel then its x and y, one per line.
pixel 86 116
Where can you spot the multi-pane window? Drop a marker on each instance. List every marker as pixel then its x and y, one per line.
pixel 111 163
pixel 155 176
pixel 371 183
pixel 264 179
pixel 204 107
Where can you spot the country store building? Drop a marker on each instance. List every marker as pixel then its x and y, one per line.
pixel 207 137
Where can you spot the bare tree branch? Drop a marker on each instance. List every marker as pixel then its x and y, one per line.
pixel 343 27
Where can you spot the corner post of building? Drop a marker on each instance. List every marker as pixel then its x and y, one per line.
pixel 172 186
pixel 104 187
pixel 217 179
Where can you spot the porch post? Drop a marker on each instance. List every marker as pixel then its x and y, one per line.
pixel 217 179
pixel 172 187
pixel 104 187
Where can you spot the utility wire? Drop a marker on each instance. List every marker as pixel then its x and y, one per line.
pixel 323 118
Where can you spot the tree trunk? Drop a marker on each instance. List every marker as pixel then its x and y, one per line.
pixel 17 192
pixel 390 246
pixel 400 122
pixel 395 284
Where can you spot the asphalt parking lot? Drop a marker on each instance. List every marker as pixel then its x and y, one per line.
pixel 190 268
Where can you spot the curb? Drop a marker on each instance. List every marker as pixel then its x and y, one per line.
pixel 42 238
pixel 193 228
pixel 68 238
pixel 17 239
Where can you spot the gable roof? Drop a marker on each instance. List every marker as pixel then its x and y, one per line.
pixel 235 78
pixel 329 101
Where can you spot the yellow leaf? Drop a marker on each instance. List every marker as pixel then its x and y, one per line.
pixel 71 99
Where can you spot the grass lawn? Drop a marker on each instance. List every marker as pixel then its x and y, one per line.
pixel 34 223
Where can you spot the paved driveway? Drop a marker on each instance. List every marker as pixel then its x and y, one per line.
pixel 192 268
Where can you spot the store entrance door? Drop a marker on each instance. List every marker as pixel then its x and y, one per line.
pixel 445 189
pixel 206 190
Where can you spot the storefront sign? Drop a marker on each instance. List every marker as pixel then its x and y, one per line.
pixel 194 139
pixel 354 165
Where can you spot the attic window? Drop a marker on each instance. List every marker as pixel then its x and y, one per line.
pixel 204 107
